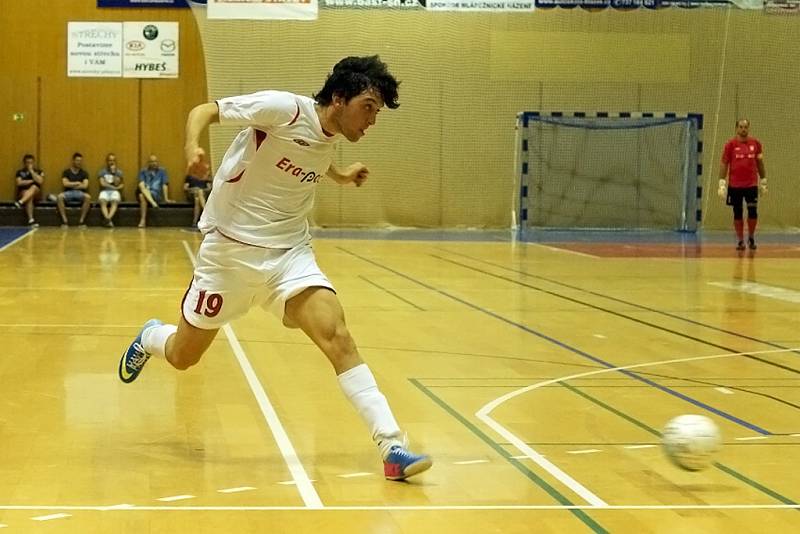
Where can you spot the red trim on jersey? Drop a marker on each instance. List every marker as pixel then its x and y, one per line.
pixel 260 137
pixel 235 178
pixel 296 115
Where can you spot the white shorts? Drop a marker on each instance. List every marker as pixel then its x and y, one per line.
pixel 109 195
pixel 232 277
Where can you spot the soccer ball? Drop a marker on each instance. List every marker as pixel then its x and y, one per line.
pixel 690 441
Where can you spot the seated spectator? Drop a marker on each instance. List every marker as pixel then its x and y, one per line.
pixel 152 189
pixel 76 182
pixel 29 186
pixel 198 184
pixel 110 178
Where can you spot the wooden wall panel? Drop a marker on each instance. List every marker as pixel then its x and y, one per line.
pixel 93 116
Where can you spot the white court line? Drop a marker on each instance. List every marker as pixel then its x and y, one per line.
pixel 540 460
pixel 639 446
pixel 409 508
pixel 751 438
pixel 354 475
pixel 50 517
pixel 20 238
pixel 236 490
pixel 470 462
pixel 298 472
pixel 118 507
pixel 794 435
pixel 726 391
pixel 762 290
pixel 566 250
pixel 584 451
pixel 175 498
pixel 3 526
pixel 574 485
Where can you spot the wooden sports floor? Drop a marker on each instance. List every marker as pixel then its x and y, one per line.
pixel 538 376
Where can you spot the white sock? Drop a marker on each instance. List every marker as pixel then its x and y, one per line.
pixel 154 339
pixel 358 385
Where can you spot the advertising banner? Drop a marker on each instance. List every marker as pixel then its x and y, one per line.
pixel 263 9
pixel 150 50
pixel 479 5
pixel 142 3
pixel 94 49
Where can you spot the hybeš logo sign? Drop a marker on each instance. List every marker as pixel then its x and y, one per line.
pixel 151 49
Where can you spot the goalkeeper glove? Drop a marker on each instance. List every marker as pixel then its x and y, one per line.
pixel 722 189
pixel 763 185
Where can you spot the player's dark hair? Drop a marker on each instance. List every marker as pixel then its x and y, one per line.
pixel 27 157
pixel 354 75
pixel 77 155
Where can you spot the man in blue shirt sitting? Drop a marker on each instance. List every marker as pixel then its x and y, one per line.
pixel 153 190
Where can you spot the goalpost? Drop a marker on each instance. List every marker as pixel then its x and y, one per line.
pixel 618 171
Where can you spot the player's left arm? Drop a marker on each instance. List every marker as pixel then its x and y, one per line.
pixel 762 171
pixel 356 173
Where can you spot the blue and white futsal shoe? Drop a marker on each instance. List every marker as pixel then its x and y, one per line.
pixel 401 463
pixel 133 359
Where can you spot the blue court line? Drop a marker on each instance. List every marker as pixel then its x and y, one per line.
pixel 627 303
pixel 9 234
pixel 572 349
pixel 619 314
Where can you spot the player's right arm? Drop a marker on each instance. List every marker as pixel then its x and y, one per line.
pixel 723 173
pixel 723 182
pixel 199 119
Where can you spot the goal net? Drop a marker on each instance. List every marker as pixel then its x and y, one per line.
pixel 622 171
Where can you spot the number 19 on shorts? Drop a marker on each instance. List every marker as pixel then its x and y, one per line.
pixel 208 304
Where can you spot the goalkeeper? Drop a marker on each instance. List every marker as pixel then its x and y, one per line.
pixel 741 173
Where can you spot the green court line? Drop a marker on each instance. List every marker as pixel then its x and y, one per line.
pixel 580 514
pixel 725 469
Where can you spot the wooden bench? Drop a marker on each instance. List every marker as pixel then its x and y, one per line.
pixel 46 214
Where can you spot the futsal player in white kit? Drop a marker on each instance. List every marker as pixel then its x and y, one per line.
pixel 256 244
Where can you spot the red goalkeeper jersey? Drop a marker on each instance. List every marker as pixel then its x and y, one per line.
pixel 741 157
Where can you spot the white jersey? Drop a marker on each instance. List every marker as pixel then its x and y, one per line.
pixel 264 189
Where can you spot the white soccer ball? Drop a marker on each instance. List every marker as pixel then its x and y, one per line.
pixel 690 441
